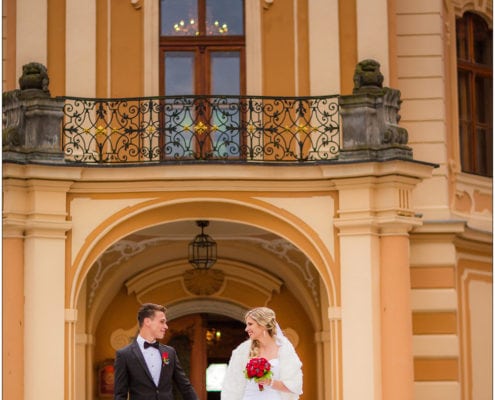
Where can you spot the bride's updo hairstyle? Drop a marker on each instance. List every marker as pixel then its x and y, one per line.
pixel 264 317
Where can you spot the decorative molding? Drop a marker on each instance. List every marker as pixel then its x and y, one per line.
pixel 136 4
pixel 267 4
pixel 334 313
pixel 195 306
pixel 485 8
pixel 120 337
pixel 126 249
pixel 239 273
pixel 281 248
pixel 71 315
pixel 292 335
pixel 203 282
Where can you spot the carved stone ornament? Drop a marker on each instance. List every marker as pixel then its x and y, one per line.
pixel 367 77
pixel 203 282
pixel 34 76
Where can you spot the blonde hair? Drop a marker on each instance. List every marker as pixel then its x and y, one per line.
pixel 266 318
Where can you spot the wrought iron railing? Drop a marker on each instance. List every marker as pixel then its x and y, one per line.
pixel 188 128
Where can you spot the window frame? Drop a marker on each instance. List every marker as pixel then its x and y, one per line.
pixel 468 138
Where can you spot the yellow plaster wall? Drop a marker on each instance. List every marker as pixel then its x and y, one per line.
pixel 348 45
pixel 56 46
pixel 278 50
pixel 126 33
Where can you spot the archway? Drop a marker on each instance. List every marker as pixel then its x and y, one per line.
pixel 274 271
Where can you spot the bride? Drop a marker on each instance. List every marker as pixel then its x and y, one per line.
pixel 265 340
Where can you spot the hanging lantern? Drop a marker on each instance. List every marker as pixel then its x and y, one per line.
pixel 203 249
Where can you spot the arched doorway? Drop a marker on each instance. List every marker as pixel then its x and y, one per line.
pixel 204 343
pixel 259 267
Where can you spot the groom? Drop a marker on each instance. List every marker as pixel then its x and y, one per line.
pixel 145 368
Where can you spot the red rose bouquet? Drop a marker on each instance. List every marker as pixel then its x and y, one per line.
pixel 258 368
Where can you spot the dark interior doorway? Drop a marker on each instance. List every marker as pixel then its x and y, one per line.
pixel 223 334
pixel 204 343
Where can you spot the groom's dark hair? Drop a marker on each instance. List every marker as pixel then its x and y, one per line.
pixel 148 310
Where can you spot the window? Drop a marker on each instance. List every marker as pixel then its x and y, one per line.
pixel 474 78
pixel 202 53
pixel 202 47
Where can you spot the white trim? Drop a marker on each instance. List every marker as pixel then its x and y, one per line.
pixel 324 63
pixel 296 50
pixel 370 15
pixel 31 33
pixel 109 49
pixel 80 48
pixel 435 346
pixel 151 47
pixel 254 53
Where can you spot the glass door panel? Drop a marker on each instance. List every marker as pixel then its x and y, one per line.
pixel 226 118
pixel 179 80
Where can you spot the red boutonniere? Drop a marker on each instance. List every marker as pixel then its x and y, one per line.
pixel 165 358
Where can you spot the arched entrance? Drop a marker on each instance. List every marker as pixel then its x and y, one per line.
pixel 258 267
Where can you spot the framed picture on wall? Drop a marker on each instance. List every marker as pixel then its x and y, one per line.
pixel 106 379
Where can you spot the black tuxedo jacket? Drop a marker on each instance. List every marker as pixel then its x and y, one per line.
pixel 133 377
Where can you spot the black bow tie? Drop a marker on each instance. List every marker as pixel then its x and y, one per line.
pixel 156 345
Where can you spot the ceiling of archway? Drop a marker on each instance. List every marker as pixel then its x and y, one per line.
pixel 168 243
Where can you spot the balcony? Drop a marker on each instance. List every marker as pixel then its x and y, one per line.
pixel 200 128
pixel 215 129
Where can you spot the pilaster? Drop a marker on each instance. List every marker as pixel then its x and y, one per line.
pixel 375 217
pixel 34 215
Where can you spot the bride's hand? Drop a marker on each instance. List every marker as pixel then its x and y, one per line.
pixel 265 382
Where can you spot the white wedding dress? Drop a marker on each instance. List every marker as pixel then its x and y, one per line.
pixel 252 390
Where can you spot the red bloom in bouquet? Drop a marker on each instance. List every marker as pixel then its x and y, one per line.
pixel 258 368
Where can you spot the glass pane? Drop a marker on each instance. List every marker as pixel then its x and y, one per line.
pixel 464 99
pixel 179 73
pixel 225 17
pixel 484 104
pixel 225 80
pixel 178 114
pixel 226 130
pixel 484 154
pixel 461 38
pixel 179 18
pixel 482 41
pixel 225 73
pixel 465 147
